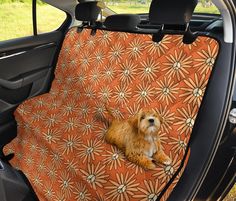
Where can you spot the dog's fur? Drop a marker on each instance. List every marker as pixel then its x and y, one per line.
pixel 138 138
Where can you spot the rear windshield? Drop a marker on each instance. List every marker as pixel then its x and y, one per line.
pixel 142 6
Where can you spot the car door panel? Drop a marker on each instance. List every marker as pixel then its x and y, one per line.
pixel 29 42
pixel 26 69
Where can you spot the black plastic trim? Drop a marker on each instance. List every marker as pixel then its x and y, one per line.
pixel 23 79
pixel 209 126
pixel 8 132
pixel 29 42
pixel 34 17
pixel 206 135
pixel 31 196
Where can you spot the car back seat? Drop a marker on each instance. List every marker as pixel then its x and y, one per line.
pixel 60 144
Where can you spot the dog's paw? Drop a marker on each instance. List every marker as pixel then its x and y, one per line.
pixel 150 166
pixel 167 161
pixel 162 158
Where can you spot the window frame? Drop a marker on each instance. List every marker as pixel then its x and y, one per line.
pixel 34 17
pixel 65 24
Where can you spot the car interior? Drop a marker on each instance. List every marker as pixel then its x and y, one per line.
pixel 54 87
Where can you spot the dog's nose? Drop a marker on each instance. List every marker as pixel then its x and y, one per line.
pixel 151 120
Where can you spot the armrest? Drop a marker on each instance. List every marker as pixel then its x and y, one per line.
pixel 23 79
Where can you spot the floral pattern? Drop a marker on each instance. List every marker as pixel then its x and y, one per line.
pixel 60 144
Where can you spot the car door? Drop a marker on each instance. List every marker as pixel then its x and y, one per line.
pixel 28 52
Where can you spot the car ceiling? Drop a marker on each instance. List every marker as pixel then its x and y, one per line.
pixel 67 6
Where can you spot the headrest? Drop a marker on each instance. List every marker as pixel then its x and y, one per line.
pixel 87 11
pixel 125 22
pixel 174 12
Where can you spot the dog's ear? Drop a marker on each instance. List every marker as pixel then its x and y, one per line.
pixel 135 120
pixel 140 113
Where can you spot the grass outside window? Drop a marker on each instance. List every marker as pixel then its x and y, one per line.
pixel 16 19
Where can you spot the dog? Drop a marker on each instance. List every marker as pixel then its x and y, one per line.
pixel 138 138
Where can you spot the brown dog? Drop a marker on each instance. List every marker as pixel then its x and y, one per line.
pixel 138 138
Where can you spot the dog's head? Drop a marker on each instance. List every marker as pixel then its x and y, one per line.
pixel 147 122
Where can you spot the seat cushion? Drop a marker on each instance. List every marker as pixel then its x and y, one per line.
pixel 60 144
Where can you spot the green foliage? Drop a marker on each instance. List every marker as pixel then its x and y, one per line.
pixel 232 194
pixel 15 1
pixel 204 3
pixel 19 24
pixel 144 8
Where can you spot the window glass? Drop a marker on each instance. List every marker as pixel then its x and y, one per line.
pixel 142 6
pixel 206 6
pixel 15 19
pixel 49 18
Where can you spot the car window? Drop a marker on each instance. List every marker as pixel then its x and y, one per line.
pixel 16 18
pixel 142 6
pixel 49 18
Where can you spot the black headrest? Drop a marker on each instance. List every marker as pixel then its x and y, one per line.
pixel 87 11
pixel 124 22
pixel 171 11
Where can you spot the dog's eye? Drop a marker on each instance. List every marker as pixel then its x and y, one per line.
pixel 142 117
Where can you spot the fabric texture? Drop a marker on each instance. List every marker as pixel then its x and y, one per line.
pixel 60 144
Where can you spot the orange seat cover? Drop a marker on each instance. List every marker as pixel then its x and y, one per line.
pixel 60 144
